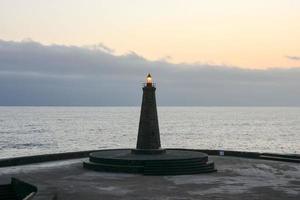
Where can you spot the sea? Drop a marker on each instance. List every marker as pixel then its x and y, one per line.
pixel 42 130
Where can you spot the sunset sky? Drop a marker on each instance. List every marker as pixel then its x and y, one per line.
pixel 256 34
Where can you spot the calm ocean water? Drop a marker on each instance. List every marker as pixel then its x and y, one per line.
pixel 40 130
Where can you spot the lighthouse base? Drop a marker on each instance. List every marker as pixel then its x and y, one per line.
pixel 148 151
pixel 171 162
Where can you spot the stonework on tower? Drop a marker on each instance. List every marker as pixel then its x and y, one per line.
pixel 148 133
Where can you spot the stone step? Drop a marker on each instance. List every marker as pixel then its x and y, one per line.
pixel 143 162
pixel 7 192
pixel 8 197
pixel 5 187
pixel 187 164
pixel 151 170
pixel 179 168
pixel 182 172
pixel 169 162
pixel 176 164
pixel 184 168
pixel 199 160
pixel 113 168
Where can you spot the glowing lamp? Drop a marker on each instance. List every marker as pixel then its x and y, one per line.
pixel 149 80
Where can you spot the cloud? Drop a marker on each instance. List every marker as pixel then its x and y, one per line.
pixel 36 74
pixel 100 47
pixel 166 58
pixel 293 57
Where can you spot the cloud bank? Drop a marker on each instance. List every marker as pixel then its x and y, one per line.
pixel 293 57
pixel 35 74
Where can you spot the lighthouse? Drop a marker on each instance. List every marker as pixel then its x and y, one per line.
pixel 148 140
pixel 148 157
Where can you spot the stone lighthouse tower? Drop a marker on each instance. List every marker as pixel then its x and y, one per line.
pixel 148 140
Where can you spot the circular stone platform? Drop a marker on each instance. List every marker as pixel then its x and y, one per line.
pixel 172 162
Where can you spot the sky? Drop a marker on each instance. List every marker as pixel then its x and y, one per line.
pixel 200 53
pixel 252 34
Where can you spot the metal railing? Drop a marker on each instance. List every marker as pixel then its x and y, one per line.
pixel 145 84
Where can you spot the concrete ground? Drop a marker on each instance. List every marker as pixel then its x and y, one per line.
pixel 237 178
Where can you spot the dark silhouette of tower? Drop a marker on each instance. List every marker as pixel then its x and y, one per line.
pixel 148 135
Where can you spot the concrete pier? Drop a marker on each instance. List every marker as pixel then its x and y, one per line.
pixel 237 178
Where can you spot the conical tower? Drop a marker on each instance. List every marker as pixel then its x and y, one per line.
pixel 148 140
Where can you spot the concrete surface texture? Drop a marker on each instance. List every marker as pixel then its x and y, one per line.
pixel 237 178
